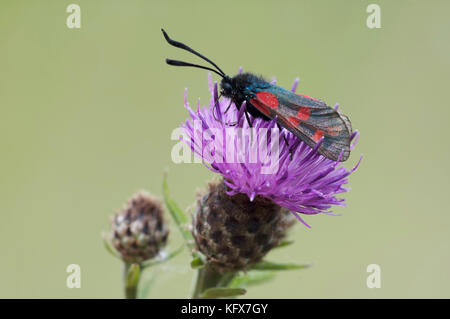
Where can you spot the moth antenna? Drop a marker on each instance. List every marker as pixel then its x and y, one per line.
pixel 185 47
pixel 181 63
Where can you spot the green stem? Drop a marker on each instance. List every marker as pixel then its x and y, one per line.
pixel 208 277
pixel 131 280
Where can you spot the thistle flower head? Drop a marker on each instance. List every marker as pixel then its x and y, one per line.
pixel 233 232
pixel 139 231
pixel 292 174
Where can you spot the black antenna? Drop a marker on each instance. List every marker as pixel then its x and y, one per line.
pixel 181 63
pixel 185 47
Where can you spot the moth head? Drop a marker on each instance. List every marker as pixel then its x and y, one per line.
pixel 227 87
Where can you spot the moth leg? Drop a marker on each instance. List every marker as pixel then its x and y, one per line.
pixel 291 153
pixel 228 107
pixel 216 103
pixel 214 112
pixel 248 119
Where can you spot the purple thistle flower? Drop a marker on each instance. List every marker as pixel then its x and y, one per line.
pixel 304 181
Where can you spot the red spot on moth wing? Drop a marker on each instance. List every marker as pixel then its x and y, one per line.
pixel 303 113
pixel 307 96
pixel 333 130
pixel 268 98
pixel 318 134
pixel 293 121
pixel 261 107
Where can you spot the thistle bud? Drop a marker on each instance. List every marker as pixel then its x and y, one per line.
pixel 234 232
pixel 139 231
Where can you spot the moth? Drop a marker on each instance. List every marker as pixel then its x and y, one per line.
pixel 311 120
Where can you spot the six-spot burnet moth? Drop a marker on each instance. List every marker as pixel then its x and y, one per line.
pixel 313 121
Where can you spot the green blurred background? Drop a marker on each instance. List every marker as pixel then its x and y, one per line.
pixel 86 117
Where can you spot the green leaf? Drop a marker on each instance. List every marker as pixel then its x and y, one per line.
pixel 222 293
pixel 253 277
pixel 109 248
pixel 284 243
pixel 133 274
pixel 157 261
pixel 177 214
pixel 145 290
pixel 267 265
pixel 197 263
pixel 146 285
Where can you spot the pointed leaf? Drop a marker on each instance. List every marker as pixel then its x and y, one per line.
pixel 174 253
pixel 253 277
pixel 197 262
pixel 285 243
pixel 145 287
pixel 222 293
pixel 134 271
pixel 267 265
pixel 177 214
pixel 109 248
pixel 162 259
